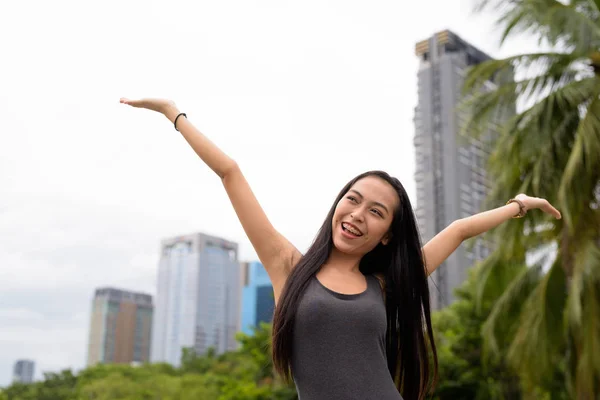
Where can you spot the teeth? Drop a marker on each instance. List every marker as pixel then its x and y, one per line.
pixel 351 229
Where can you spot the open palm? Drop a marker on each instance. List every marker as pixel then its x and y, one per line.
pixel 158 105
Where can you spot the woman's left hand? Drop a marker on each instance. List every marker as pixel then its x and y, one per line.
pixel 532 203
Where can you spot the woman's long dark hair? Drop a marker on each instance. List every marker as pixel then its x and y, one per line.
pixel 409 337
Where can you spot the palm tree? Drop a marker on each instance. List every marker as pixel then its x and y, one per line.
pixel 549 317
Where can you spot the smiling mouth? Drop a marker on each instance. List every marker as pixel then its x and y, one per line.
pixel 351 229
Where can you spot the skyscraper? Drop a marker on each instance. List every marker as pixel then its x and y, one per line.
pixel 23 371
pixel 450 169
pixel 120 327
pixel 198 297
pixel 257 296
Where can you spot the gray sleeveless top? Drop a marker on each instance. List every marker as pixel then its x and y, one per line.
pixel 339 345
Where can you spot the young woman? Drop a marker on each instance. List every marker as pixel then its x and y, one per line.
pixel 352 317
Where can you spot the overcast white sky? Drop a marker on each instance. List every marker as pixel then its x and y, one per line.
pixel 303 94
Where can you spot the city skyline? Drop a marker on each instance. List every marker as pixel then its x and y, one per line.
pixel 89 187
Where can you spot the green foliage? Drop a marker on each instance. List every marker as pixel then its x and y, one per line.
pixel 55 386
pixel 547 117
pixel 243 374
pixel 463 373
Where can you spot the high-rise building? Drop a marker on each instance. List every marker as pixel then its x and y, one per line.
pixel 23 371
pixel 450 171
pixel 120 327
pixel 198 297
pixel 258 301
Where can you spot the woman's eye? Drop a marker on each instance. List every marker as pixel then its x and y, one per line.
pixel 376 211
pixel 351 198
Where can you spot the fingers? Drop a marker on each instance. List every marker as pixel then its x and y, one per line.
pixel 553 211
pixel 127 101
pixel 542 204
pixel 550 209
pixel 143 103
pixel 149 103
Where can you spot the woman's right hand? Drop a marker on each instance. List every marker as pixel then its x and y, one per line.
pixel 166 107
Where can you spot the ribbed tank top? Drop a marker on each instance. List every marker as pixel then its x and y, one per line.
pixel 339 345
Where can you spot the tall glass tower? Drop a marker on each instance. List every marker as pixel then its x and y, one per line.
pixel 450 171
pixel 198 297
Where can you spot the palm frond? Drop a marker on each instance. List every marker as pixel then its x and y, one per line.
pixel 539 341
pixel 484 106
pixel 516 238
pixel 549 69
pixel 584 161
pixel 533 147
pixel 503 320
pixel 493 276
pixel 573 24
pixel 594 6
pixel 584 319
pixel 551 124
pixel 486 109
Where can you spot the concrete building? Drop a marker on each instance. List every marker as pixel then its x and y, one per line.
pixel 198 297
pixel 258 301
pixel 23 371
pixel 450 171
pixel 120 327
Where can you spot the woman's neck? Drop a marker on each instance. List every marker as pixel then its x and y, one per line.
pixel 342 262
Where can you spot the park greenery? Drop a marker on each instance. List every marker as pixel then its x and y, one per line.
pixel 518 329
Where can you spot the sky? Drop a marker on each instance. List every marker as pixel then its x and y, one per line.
pixel 304 95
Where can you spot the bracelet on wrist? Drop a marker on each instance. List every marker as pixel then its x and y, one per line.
pixel 522 210
pixel 177 117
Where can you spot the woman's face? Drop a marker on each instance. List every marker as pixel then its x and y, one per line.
pixel 363 217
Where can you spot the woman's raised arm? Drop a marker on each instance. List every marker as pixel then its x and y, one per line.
pixel 438 249
pixel 275 252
